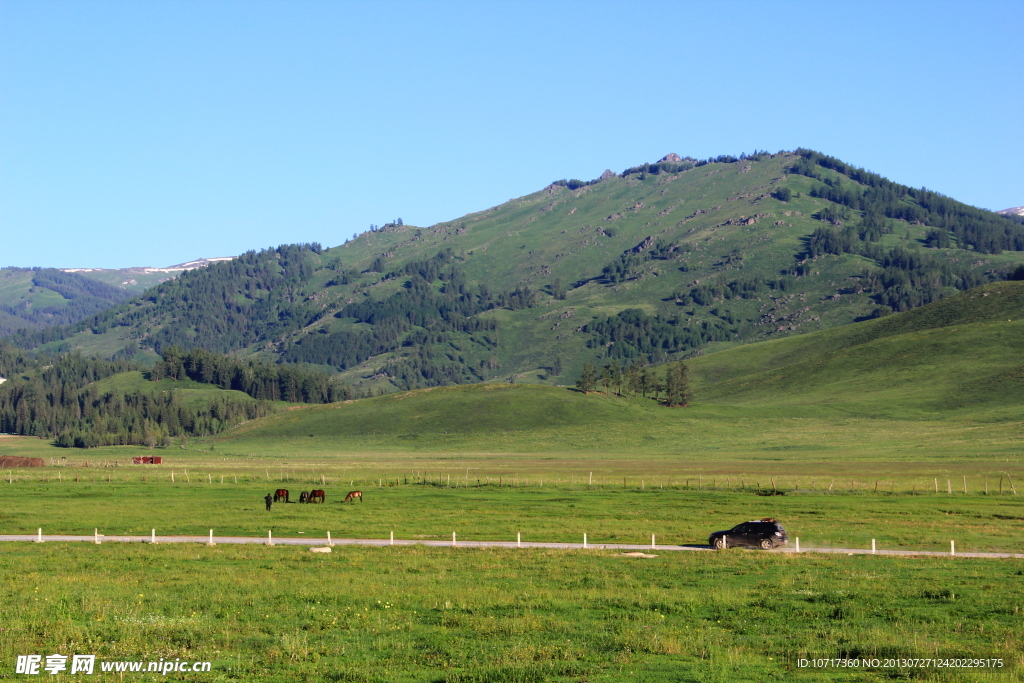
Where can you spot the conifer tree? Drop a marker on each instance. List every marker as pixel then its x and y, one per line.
pixel 588 379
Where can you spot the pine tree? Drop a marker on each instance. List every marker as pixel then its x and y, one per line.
pixel 588 379
pixel 677 385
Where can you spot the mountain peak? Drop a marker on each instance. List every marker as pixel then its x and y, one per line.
pixel 1012 211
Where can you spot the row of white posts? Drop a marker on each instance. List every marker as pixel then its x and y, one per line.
pixel 519 540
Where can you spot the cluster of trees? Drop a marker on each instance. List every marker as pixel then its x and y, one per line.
pixel 639 379
pixel 149 419
pixel 83 298
pixel 973 228
pixel 741 288
pixel 628 264
pixel 575 184
pixel 262 381
pixel 632 334
pixel 56 398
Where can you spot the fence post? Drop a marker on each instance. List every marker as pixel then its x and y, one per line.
pixel 949 487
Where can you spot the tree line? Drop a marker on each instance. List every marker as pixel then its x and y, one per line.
pixel 262 381
pixel 56 397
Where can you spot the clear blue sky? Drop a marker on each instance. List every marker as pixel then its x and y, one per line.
pixel 150 133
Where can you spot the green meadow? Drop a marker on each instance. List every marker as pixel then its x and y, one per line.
pixel 677 514
pixel 461 615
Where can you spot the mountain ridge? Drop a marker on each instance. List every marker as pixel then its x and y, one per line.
pixel 662 261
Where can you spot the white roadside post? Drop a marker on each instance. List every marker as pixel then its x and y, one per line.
pixel 952 548
pixel 39 537
pixel 519 539
pixel 453 539
pixel 584 540
pixel 211 538
pixel 392 538
pixel 96 536
pixel 797 544
pixel 652 542
pixel 872 546
pixel 152 536
pixel 329 541
pixel 270 537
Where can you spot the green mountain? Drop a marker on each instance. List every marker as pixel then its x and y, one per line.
pixel 880 384
pixel 662 261
pixel 34 298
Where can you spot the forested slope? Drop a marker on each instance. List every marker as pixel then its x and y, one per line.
pixel 659 262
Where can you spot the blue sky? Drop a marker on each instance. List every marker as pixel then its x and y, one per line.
pixel 150 133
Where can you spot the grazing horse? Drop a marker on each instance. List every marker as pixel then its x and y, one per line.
pixel 303 497
pixel 352 495
pixel 281 494
pixel 316 496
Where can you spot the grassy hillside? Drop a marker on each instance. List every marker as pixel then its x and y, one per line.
pixel 698 256
pixel 963 356
pixel 867 385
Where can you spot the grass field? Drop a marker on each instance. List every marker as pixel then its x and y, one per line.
pixel 607 513
pixel 422 614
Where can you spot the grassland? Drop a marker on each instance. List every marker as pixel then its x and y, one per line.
pixel 422 614
pixel 871 431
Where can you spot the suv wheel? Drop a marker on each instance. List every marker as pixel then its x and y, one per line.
pixel 766 544
pixel 721 543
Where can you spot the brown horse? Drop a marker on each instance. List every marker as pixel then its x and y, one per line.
pixel 352 495
pixel 303 497
pixel 281 494
pixel 316 496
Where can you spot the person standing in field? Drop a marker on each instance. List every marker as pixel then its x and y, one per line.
pixel 270 501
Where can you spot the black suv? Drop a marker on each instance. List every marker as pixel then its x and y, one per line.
pixel 764 533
